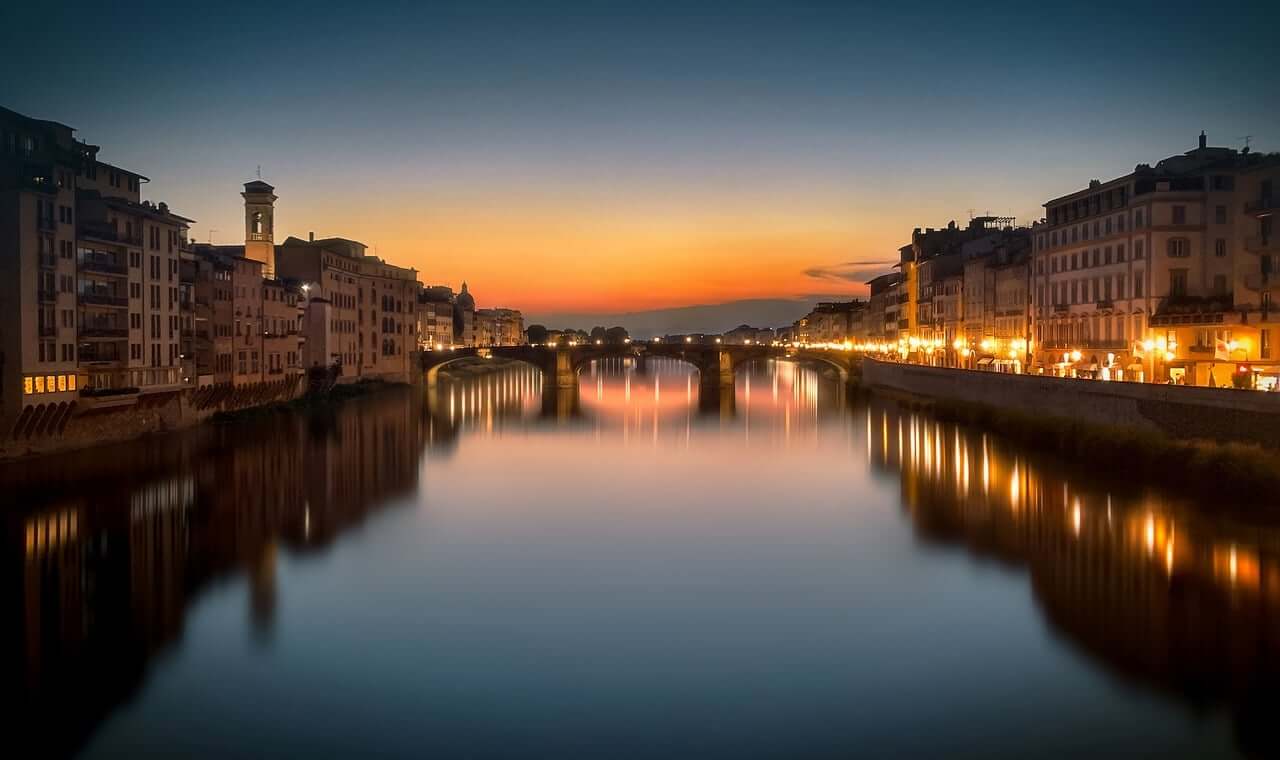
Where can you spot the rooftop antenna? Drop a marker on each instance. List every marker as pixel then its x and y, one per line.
pixel 259 171
pixel 211 231
pixel 1247 139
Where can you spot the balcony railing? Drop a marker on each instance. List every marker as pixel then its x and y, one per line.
pixel 111 333
pixel 47 331
pixel 92 356
pixel 1262 205
pixel 46 224
pixel 104 299
pixel 102 264
pixel 110 234
pixel 46 295
pixel 48 260
pixel 1105 303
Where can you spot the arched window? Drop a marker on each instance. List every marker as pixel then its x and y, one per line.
pixel 257 222
pixel 1179 248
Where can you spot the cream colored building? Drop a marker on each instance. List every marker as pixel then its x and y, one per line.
pixel 1149 275
pixel 372 304
pixel 89 276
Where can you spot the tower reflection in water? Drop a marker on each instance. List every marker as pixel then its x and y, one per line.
pixel 1154 588
pixel 106 550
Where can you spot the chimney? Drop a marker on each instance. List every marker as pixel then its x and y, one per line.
pixel 311 236
pixel 1203 140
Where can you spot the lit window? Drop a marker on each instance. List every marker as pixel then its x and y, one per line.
pixel 28 387
pixel 62 383
pixel 71 382
pixel 40 384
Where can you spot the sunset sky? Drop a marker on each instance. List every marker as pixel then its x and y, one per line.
pixel 613 156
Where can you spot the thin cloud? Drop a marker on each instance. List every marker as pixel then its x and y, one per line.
pixel 850 271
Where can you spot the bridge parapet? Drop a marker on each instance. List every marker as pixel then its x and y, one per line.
pixel 716 363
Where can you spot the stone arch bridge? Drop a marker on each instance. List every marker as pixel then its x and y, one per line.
pixel 716 363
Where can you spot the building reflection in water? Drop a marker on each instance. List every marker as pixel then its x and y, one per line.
pixel 106 549
pixel 1152 587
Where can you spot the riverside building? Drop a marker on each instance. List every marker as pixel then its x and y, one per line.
pixel 89 277
pixel 371 305
pixel 1163 274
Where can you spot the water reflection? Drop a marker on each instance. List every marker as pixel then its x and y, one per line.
pixel 1151 586
pixel 106 553
pixel 106 550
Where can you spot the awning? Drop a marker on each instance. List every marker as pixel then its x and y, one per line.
pixel 983 361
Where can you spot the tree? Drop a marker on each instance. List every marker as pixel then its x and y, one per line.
pixel 598 333
pixel 616 335
pixel 536 333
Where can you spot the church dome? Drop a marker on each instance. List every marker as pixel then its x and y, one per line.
pixel 465 300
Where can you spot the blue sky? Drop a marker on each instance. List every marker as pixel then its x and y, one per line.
pixel 590 140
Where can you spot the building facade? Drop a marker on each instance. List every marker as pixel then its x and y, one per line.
pixel 498 327
pixel 90 275
pixel 372 304
pixel 1160 274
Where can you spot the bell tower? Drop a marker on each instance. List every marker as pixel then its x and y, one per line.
pixel 259 225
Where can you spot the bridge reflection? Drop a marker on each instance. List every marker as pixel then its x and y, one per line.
pixel 1150 586
pixel 658 395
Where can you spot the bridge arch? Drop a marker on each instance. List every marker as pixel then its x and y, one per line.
pixel 433 362
pixel 843 363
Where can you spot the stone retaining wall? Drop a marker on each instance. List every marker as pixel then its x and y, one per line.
pixel 1180 411
pixel 92 421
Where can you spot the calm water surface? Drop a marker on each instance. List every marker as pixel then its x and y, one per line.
pixel 487 570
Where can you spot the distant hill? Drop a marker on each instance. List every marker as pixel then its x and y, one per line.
pixel 706 318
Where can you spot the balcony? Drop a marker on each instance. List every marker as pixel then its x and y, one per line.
pixel 46 295
pixel 1061 307
pixel 47 331
pixel 1260 244
pixel 100 354
pixel 108 233
pixel 48 260
pixel 1263 206
pixel 1107 344
pixel 46 224
pixel 102 264
pixel 103 333
pixel 104 299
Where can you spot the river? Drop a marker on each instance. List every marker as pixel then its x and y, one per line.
pixel 489 570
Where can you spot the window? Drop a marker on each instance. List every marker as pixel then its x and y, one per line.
pixel 1179 214
pixel 1137 218
pixel 1220 248
pixel 1177 282
pixel 1264 343
pixel 1219 214
pixel 1137 284
pixel 1179 248
pixel 1137 250
pixel 1220 284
